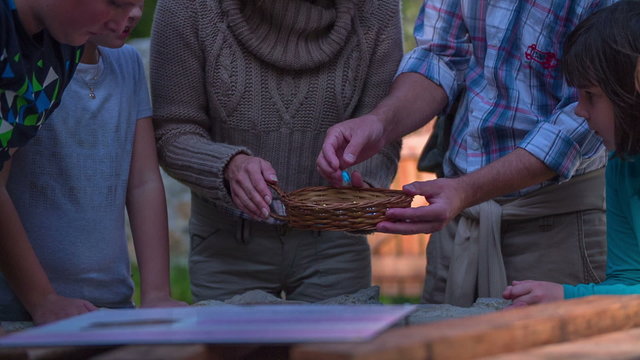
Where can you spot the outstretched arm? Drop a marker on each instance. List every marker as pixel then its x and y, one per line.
pixel 447 197
pixel 147 208
pixel 430 75
pixel 22 269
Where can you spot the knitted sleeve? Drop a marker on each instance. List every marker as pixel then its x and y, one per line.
pixel 386 38
pixel 181 119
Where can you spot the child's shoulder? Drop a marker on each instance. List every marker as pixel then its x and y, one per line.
pixel 125 58
pixel 124 52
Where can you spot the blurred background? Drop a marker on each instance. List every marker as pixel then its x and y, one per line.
pixel 398 261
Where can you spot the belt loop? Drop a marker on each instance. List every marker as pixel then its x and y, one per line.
pixel 246 231
pixel 283 229
pixel 239 226
pixel 243 231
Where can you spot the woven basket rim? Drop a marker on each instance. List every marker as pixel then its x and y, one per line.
pixel 386 196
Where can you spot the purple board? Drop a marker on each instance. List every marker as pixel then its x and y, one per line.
pixel 260 324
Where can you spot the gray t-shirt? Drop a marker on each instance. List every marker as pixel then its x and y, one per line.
pixel 69 184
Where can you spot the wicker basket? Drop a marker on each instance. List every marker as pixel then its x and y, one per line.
pixel 339 209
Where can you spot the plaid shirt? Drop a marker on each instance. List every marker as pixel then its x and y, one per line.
pixel 505 54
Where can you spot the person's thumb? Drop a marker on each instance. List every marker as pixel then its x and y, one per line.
pixel 417 188
pixel 268 172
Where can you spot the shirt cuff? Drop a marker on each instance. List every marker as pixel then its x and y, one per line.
pixel 572 292
pixel 552 146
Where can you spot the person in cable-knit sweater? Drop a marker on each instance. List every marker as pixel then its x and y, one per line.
pixel 243 93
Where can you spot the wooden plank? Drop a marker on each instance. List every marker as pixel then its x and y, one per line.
pixel 196 352
pixel 67 353
pixel 158 352
pixel 52 353
pixel 13 354
pixel 615 346
pixel 489 334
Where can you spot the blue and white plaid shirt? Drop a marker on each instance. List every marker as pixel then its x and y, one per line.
pixel 505 54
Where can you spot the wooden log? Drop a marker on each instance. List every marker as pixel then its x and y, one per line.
pixel 196 352
pixel 614 346
pixel 158 352
pixel 67 353
pixel 13 354
pixel 52 353
pixel 489 334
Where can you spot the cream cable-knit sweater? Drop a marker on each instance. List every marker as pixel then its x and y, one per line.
pixel 267 78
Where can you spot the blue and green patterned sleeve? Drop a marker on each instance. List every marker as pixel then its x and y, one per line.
pixel 5 21
pixel 33 76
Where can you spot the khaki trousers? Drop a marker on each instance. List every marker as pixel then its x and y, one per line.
pixel 230 256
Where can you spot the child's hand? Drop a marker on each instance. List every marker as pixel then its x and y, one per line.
pixel 55 307
pixel 161 301
pixel 530 292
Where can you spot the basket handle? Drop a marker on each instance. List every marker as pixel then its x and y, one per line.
pixel 273 214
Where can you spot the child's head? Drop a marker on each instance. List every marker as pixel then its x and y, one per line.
pixel 600 59
pixel 116 40
pixel 74 21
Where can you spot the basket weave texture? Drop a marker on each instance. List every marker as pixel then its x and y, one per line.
pixel 339 209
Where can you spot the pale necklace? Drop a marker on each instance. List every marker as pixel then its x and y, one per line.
pixel 90 74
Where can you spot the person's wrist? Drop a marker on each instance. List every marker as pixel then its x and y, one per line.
pixel 155 294
pixel 384 119
pixel 561 294
pixel 465 189
pixel 36 300
pixel 233 162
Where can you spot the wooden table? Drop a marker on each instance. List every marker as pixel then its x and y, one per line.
pixel 597 327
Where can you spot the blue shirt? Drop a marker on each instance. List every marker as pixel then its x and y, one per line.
pixel 623 232
pixel 505 55
pixel 69 184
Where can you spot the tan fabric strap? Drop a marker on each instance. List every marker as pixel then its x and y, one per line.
pixel 476 259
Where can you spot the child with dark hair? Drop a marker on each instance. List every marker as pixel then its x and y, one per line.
pixel 602 60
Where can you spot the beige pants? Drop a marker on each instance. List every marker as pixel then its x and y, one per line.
pixel 230 256
pixel 568 247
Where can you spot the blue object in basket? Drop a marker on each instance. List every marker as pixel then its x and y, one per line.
pixel 346 178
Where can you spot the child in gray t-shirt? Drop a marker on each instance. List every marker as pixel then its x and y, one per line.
pixel 72 183
pixel 38 54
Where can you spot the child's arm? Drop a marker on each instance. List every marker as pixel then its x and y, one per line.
pixel 22 269
pixel 147 208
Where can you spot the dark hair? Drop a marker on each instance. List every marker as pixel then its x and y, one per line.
pixel 603 50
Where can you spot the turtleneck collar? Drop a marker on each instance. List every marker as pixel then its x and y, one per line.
pixel 291 34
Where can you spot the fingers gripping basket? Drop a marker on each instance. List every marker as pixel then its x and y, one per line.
pixel 339 209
